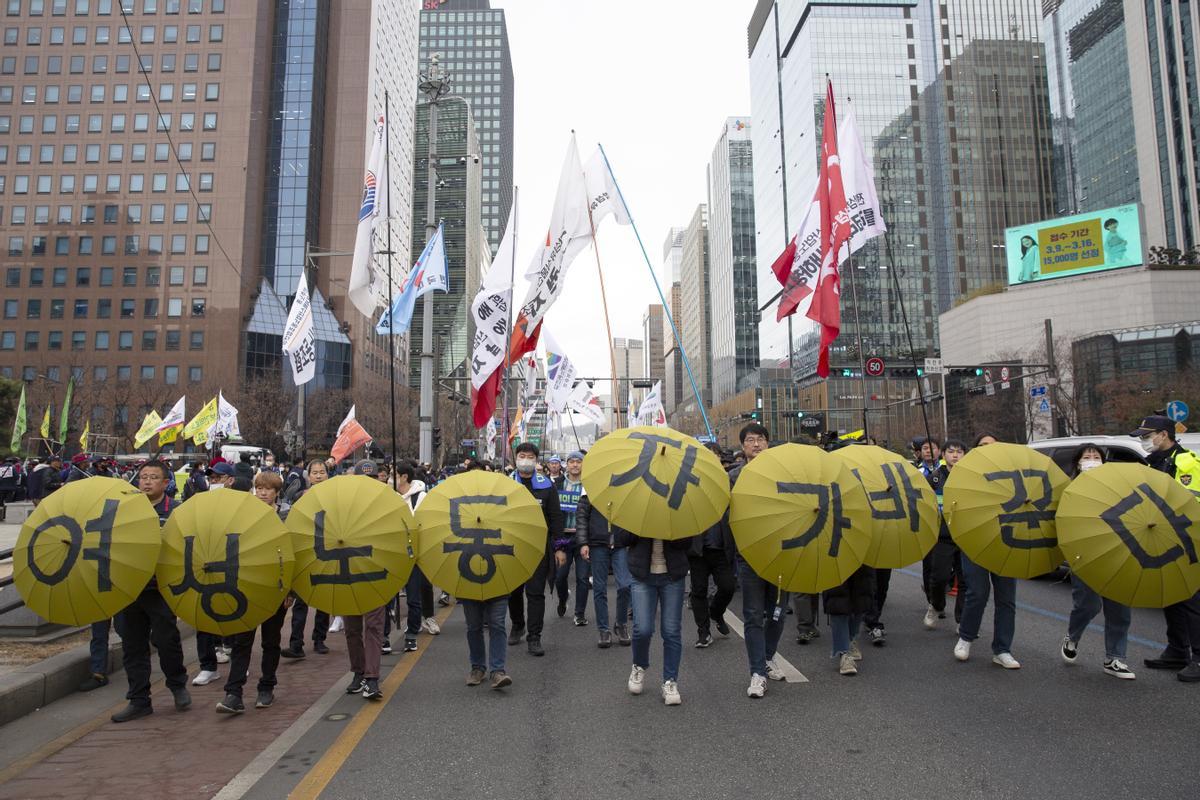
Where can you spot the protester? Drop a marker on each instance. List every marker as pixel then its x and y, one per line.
pixel 943 562
pixel 1182 653
pixel 659 570
pixel 542 489
pixel 212 649
pixel 418 593
pixel 847 604
pixel 315 474
pixel 606 549
pixel 148 621
pixel 570 487
pixel 11 481
pixel 267 486
pixel 364 632
pixel 707 558
pixel 1086 603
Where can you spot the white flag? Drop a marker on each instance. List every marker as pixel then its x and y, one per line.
pixel 603 197
pixel 651 411
pixel 372 212
pixel 866 218
pixel 560 374
pixel 227 420
pixel 584 401
pixel 299 343
pixel 349 418
pixel 174 418
pixel 491 438
pixel 491 309
pixel 531 378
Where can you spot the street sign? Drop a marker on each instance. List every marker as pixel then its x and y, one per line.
pixel 468 443
pixel 988 386
pixel 1037 391
pixel 1004 384
pixel 874 367
pixel 1044 406
pixel 933 366
pixel 1177 410
pixel 809 423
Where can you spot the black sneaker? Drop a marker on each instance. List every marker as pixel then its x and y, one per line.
pixel 371 689
pixel 183 698
pixel 319 647
pixel 356 684
pixel 1069 650
pixel 605 640
pixel 1190 673
pixel 93 681
pixel 514 636
pixel 443 599
pixel 878 636
pixel 290 652
pixel 132 712
pixel 806 637
pixel 705 639
pixel 265 698
pixel 535 646
pixel 720 624
pixel 562 608
pixel 410 645
pixel 387 648
pixel 622 633
pixel 580 620
pixel 232 704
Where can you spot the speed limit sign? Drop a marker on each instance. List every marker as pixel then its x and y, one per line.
pixel 874 367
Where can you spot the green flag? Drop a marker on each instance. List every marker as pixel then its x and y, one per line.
pixel 19 424
pixel 64 418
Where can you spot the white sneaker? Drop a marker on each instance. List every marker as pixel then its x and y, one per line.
pixel 758 686
pixel 1007 661
pixel 854 652
pixel 773 672
pixel 962 650
pixel 430 626
pixel 670 693
pixel 222 656
pixel 846 665
pixel 637 679
pixel 931 618
pixel 205 677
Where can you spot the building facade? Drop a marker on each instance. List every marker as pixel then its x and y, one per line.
pixel 694 293
pixel 731 238
pixel 653 365
pixel 672 363
pixel 472 38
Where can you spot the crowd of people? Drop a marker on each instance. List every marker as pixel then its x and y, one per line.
pixel 651 578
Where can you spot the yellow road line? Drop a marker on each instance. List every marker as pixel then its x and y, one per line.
pixel 312 784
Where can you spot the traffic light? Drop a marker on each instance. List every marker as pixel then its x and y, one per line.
pixel 437 439
pixel 979 372
pixel 799 415
pixel 755 415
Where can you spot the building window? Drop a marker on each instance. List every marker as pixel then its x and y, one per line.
pixel 100 342
pixel 125 340
pixel 149 340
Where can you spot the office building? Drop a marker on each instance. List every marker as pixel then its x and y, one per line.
pixel 694 293
pixel 472 38
pixel 653 364
pixel 244 143
pixel 672 363
pixel 732 264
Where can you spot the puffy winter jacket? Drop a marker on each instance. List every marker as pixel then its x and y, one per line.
pixel 594 530
pixel 855 595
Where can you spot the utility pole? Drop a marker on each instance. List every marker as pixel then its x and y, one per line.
pixel 1056 419
pixel 434 85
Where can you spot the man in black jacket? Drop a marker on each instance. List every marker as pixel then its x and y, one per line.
pixel 542 489
pixel 606 548
pixel 707 558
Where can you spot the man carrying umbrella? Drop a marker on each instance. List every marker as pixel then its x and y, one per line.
pixel 542 489
pixel 1157 434
pixel 148 620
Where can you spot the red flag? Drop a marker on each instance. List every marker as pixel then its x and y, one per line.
pixel 523 342
pixel 783 265
pixel 483 399
pixel 351 437
pixel 835 232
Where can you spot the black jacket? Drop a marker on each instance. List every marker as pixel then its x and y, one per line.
pixel 731 551
pixel 542 489
pixel 937 482
pixel 856 595
pixel 675 551
pixel 594 530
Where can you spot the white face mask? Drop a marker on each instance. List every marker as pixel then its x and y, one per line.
pixel 212 487
pixel 1148 443
pixel 1089 464
pixel 525 466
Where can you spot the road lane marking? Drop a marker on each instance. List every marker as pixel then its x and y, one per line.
pixel 313 783
pixel 790 673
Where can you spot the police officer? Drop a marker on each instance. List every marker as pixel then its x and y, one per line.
pixel 1157 434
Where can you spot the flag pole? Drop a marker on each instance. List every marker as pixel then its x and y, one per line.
pixel 862 356
pixel 387 171
pixel 512 295
pixel 571 416
pixel 674 331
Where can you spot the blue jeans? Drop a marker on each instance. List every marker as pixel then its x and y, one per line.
pixel 646 598
pixel 98 647
pixel 844 628
pixel 760 601
pixel 492 612
pixel 412 597
pixel 980 582
pixel 1085 605
pixel 603 561
pixel 562 578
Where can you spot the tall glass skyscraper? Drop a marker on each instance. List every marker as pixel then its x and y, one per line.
pixel 733 301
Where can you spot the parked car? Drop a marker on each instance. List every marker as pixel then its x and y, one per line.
pixel 1116 448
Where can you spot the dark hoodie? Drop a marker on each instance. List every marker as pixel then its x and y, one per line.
pixel 542 489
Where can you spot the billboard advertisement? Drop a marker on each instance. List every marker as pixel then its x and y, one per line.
pixel 1107 239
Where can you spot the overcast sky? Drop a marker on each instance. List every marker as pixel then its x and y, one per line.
pixel 652 81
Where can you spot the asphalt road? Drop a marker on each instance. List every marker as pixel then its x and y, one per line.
pixel 914 723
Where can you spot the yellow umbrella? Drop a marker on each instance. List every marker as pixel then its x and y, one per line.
pixel 1133 534
pixel 355 540
pixel 226 563
pixel 999 503
pixel 800 519
pixel 904 509
pixel 482 535
pixel 656 482
pixel 87 551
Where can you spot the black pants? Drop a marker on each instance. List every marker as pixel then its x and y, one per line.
pixel 710 563
pixel 149 621
pixel 300 619
pixel 1183 629
pixel 938 568
pixel 243 643
pixel 535 591
pixel 806 607
pixel 883 578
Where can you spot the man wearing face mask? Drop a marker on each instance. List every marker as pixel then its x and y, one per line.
pixel 1157 434
pixel 542 489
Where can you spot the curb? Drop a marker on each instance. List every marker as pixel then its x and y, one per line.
pixel 37 685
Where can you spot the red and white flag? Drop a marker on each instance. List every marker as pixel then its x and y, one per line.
pixel 491 311
pixel 826 307
pixel 350 436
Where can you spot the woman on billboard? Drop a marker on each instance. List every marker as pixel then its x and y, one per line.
pixel 1029 260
